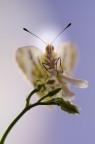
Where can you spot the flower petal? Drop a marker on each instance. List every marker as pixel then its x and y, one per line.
pixel 67 93
pixel 76 82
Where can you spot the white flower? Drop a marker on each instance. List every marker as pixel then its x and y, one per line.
pixel 67 93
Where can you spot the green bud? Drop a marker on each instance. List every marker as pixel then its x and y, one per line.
pixel 58 101
pixel 54 92
pixel 69 107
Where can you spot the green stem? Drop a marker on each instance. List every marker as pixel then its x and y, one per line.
pixel 15 121
pixel 20 115
pixel 27 107
pixel 43 98
pixel 29 97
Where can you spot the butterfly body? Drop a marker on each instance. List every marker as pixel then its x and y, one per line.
pixel 49 59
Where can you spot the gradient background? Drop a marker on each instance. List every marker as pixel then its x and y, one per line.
pixel 46 18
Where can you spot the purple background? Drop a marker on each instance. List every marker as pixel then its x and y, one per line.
pixel 41 125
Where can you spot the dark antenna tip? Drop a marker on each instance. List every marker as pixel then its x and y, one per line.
pixel 25 29
pixel 69 24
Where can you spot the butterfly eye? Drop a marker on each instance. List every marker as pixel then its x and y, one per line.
pixel 52 48
pixel 47 48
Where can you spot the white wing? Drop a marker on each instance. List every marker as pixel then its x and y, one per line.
pixel 67 53
pixel 28 59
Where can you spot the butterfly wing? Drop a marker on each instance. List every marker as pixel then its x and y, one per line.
pixel 29 60
pixel 67 53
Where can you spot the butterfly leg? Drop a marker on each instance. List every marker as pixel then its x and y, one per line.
pixel 59 59
pixel 44 65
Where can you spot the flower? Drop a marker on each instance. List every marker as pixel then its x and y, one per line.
pixel 67 93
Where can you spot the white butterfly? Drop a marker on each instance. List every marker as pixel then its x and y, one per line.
pixel 55 65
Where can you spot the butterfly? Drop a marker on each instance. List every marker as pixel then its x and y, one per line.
pixel 57 66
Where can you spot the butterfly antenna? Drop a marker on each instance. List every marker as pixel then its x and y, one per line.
pixel 34 35
pixel 61 32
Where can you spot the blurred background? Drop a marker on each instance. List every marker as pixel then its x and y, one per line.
pixel 46 18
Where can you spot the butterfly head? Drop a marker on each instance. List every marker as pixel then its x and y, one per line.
pixel 49 48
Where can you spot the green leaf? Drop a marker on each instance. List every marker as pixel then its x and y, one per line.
pixel 69 107
pixel 58 101
pixel 54 92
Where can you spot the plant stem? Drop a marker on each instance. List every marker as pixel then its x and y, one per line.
pixel 27 107
pixel 29 97
pixel 20 115
pixel 15 121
